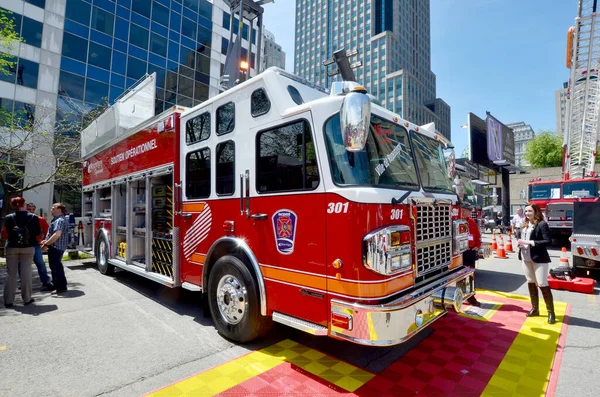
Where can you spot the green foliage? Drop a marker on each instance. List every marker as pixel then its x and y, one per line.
pixel 545 150
pixel 8 41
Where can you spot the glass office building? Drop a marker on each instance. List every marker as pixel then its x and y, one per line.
pixel 80 54
pixel 393 41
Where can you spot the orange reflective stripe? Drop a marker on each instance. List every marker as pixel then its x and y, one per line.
pixel 193 207
pixel 354 289
pixel 307 280
pixel 198 258
pixel 371 290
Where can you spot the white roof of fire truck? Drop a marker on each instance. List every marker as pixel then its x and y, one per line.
pixel 289 95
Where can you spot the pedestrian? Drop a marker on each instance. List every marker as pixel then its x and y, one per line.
pixel 471 255
pixel 38 258
pixel 21 230
pixel 56 243
pixel 517 222
pixel 535 235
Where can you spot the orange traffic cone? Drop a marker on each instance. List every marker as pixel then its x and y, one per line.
pixel 564 260
pixel 509 247
pixel 500 253
pixel 494 245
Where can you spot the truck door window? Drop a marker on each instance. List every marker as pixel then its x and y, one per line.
pixel 286 159
pixel 197 129
pixel 225 154
pixel 259 103
pixel 225 118
pixel 197 182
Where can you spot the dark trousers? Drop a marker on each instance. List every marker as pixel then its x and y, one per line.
pixel 58 271
pixel 470 257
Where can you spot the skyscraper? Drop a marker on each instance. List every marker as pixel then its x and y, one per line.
pixel 80 54
pixel 273 55
pixel 523 135
pixel 560 102
pixel 393 41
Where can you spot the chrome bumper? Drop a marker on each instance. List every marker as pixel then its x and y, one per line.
pixel 398 321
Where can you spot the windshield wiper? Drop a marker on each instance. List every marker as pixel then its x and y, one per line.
pixel 401 199
pixel 440 187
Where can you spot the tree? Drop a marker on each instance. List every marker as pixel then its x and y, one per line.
pixel 43 138
pixel 545 150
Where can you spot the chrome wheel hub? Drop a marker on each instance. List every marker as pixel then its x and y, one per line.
pixel 102 253
pixel 231 299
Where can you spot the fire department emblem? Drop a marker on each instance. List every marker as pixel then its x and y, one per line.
pixel 284 227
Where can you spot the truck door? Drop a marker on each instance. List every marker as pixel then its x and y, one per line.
pixel 196 153
pixel 284 213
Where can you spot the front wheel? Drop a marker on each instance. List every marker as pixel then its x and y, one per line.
pixel 234 301
pixel 102 255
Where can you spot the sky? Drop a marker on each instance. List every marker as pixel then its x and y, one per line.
pixel 502 56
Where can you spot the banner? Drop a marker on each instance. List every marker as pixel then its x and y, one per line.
pixel 495 146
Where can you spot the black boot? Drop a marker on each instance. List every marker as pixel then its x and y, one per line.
pixel 547 294
pixel 473 301
pixel 535 300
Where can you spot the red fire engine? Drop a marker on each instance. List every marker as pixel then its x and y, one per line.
pixel 556 198
pixel 282 203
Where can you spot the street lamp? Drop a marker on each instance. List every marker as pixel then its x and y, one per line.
pixel 244 69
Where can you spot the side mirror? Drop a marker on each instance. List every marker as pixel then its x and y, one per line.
pixel 355 119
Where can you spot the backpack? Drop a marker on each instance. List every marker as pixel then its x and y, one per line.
pixel 19 236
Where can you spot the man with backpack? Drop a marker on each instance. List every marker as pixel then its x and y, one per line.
pixel 56 243
pixel 21 230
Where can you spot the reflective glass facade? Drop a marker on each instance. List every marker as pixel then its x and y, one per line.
pixel 108 45
pixel 80 54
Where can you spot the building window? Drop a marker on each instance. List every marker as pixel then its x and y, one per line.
pixel 102 21
pixel 99 56
pixel 138 36
pixel 31 32
pixel 225 153
pixel 70 85
pixel 198 174
pixel 78 11
pixel 225 118
pixel 286 159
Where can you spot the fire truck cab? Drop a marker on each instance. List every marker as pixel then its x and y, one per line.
pixel 282 203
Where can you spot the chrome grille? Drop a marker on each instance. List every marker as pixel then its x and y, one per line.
pixel 434 256
pixel 433 222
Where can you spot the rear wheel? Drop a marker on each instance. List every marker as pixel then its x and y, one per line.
pixel 234 301
pixel 102 255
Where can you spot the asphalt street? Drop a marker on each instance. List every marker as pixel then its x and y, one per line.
pixel 127 336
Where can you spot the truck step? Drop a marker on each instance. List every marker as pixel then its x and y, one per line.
pixel 302 325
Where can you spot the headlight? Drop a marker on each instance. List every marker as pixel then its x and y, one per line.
pixel 387 251
pixel 461 236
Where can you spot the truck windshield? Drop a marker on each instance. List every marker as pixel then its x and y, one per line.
pixel 544 192
pixel 580 189
pixel 431 162
pixel 386 160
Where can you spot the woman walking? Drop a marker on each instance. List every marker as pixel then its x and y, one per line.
pixel 535 235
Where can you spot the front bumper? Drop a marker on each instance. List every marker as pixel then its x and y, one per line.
pixel 398 321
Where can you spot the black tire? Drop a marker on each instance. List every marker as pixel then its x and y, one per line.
pixel 237 312
pixel 102 255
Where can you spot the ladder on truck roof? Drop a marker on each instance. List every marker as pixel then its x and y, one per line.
pixel 583 58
